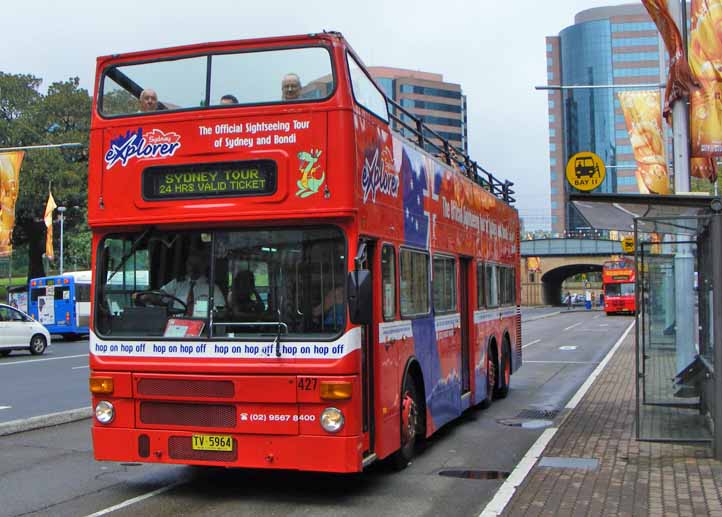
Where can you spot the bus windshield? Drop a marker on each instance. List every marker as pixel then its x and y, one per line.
pixel 199 81
pixel 228 283
pixel 625 289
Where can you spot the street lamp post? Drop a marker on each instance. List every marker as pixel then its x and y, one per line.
pixel 61 211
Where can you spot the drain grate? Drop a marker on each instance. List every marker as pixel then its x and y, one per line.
pixel 538 413
pixel 569 463
pixel 475 474
pixel 525 423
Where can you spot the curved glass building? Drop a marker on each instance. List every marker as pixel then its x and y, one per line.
pixel 606 46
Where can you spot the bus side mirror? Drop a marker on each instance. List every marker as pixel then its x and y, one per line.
pixel 359 296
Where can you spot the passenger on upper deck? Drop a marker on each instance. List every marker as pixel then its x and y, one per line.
pixel 229 99
pixel 148 100
pixel 291 87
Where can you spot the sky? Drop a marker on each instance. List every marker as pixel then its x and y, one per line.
pixel 495 50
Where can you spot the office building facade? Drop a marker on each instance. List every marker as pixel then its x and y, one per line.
pixel 441 105
pixel 616 45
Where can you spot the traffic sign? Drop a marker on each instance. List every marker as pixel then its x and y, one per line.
pixel 585 171
pixel 628 245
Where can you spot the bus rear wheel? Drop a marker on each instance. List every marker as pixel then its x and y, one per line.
pixel 502 389
pixel 492 370
pixel 411 424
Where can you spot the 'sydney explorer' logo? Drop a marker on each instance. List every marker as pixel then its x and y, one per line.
pixel 134 144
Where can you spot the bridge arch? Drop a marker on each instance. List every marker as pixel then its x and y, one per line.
pixel 555 261
pixel 552 280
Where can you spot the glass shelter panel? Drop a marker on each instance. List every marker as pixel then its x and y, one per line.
pixel 669 389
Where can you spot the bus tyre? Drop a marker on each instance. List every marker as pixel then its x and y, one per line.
pixel 502 389
pixel 4 353
pixel 410 424
pixel 38 344
pixel 491 374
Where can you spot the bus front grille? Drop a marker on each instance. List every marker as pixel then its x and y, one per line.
pixel 186 388
pixel 191 415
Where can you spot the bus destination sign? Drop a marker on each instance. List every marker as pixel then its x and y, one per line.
pixel 225 179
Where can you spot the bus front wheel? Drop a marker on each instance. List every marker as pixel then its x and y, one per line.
pixel 411 423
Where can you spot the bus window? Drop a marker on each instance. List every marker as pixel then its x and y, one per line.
pixel 178 83
pixel 245 78
pixel 257 77
pixel 491 285
pixel 480 290
pixel 388 281
pixel 365 91
pixel 444 284
pixel 414 278
pixel 61 292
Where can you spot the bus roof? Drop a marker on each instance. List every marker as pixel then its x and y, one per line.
pixel 78 276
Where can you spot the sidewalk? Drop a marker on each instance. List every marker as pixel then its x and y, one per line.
pixel 632 478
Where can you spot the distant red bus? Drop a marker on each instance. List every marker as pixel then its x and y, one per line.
pixel 618 280
pixel 281 280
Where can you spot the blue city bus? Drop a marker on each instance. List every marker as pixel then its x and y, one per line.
pixel 62 303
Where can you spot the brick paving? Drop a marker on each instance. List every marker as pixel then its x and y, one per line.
pixel 633 478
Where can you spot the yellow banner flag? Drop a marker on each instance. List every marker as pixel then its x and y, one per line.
pixel 49 207
pixel 9 187
pixel 643 116
pixel 705 59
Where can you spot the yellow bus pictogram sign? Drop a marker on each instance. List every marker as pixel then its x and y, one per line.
pixel 585 171
pixel 628 245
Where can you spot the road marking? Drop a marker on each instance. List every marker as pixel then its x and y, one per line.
pixel 80 367
pixel 532 343
pixel 134 500
pixel 595 317
pixel 572 326
pixel 521 471
pixel 568 347
pixel 15 363
pixel 604 324
pixel 588 384
pixel 562 362
pixel 6 407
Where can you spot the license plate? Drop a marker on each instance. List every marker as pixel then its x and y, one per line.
pixel 212 442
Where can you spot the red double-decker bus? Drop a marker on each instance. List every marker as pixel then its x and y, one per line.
pixel 618 279
pixel 281 279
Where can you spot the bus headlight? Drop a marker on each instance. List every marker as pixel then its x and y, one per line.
pixel 104 412
pixel 332 420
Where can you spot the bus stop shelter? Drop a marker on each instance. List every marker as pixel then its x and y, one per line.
pixel 678 256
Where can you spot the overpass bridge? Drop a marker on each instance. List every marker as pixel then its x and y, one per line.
pixel 559 259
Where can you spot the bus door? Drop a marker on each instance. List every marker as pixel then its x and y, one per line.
pixel 466 322
pixel 365 260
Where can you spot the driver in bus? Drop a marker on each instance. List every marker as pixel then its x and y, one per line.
pixel 192 290
pixel 291 87
pixel 148 100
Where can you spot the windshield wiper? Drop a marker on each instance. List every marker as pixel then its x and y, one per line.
pixel 277 342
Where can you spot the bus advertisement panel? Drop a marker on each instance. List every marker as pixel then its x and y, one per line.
pixel 618 280
pixel 62 303
pixel 282 281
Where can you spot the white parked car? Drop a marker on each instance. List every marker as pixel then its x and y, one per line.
pixel 18 331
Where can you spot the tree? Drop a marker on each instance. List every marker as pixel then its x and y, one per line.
pixel 27 117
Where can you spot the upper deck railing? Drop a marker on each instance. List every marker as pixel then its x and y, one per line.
pixel 424 135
